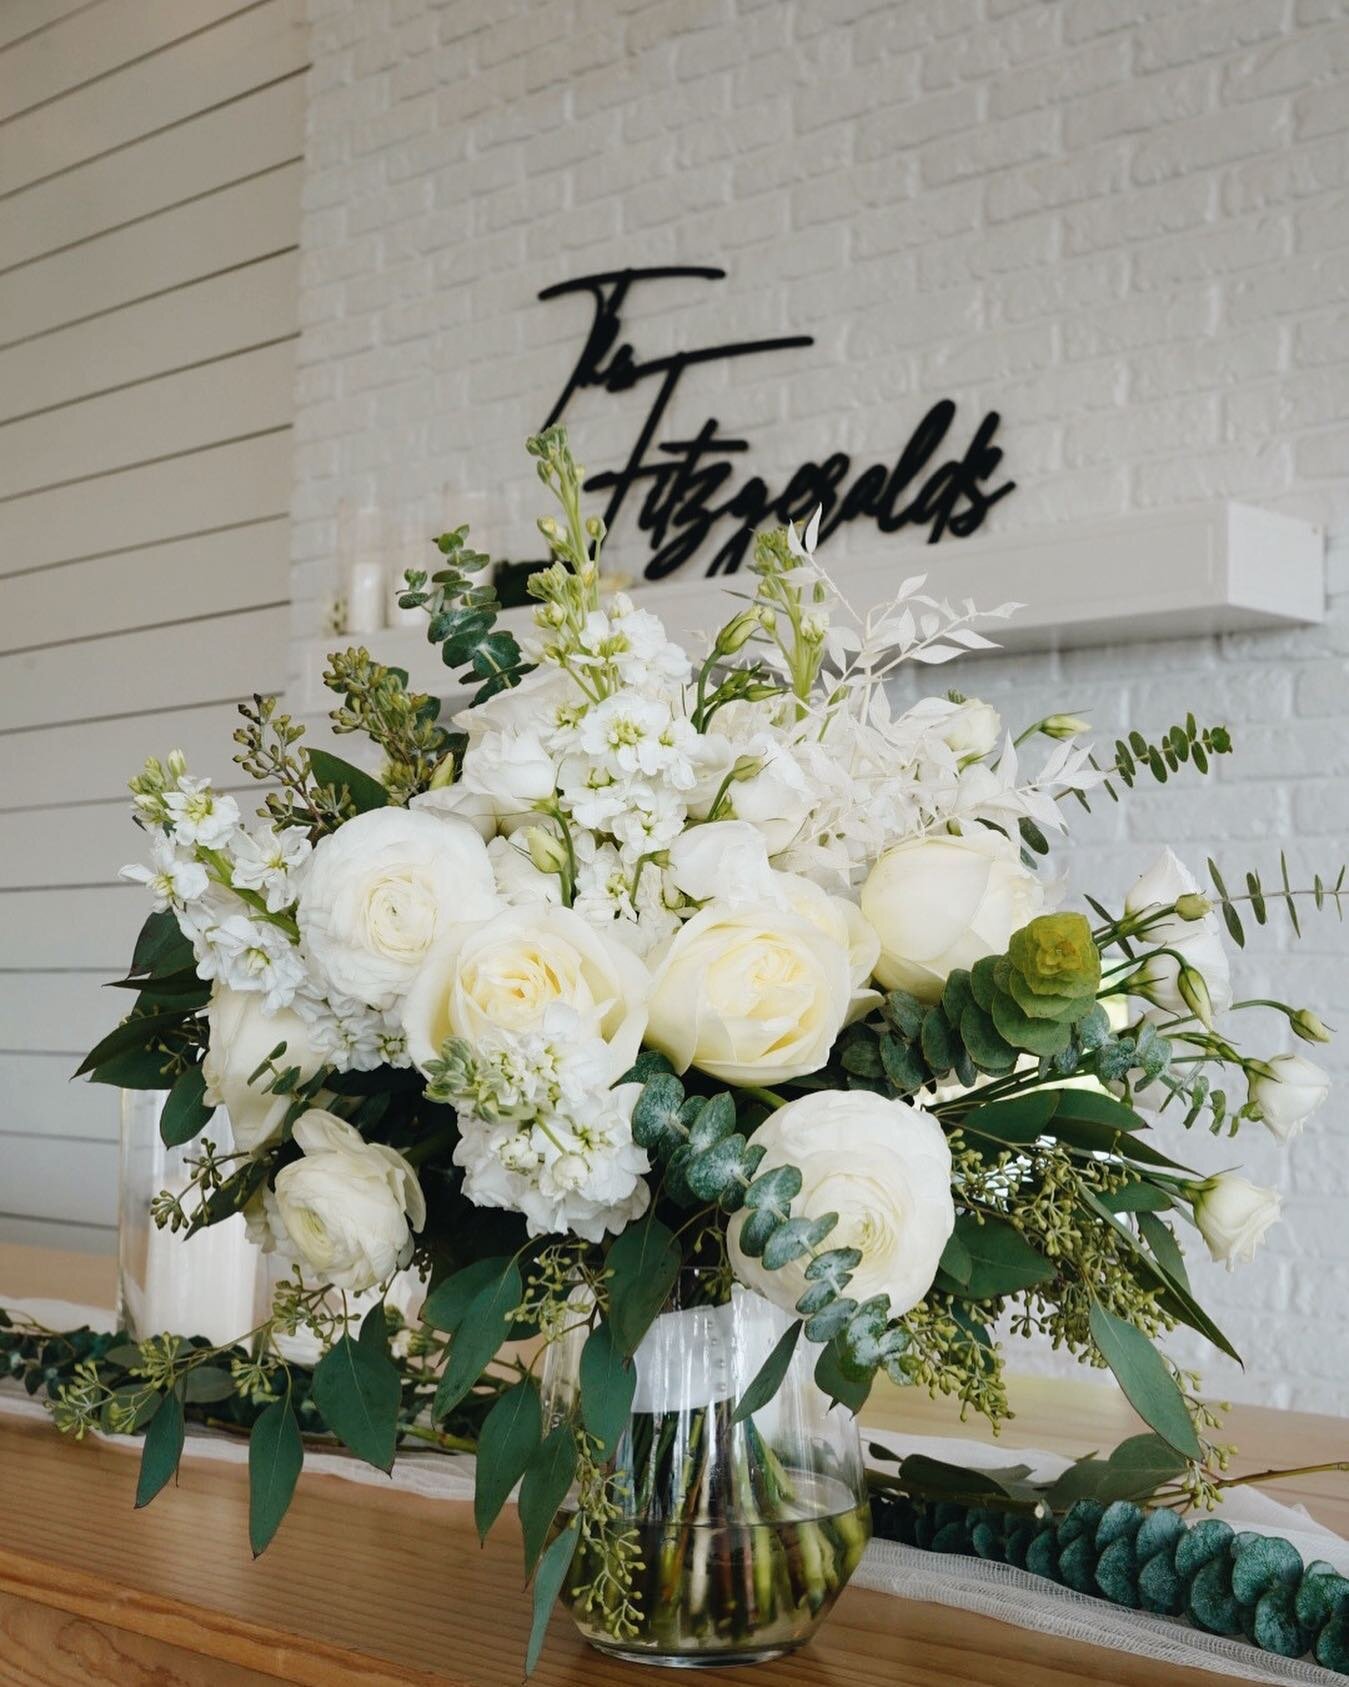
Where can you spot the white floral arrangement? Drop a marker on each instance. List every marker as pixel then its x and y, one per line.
pixel 654 957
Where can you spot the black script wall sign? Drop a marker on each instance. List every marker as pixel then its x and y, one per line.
pixel 686 486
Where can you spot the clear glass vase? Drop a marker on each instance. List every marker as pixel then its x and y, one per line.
pixel 746 1533
pixel 168 1283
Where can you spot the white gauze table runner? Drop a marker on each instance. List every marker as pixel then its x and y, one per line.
pixel 968 1584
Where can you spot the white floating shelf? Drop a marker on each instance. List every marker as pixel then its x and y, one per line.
pixel 1215 568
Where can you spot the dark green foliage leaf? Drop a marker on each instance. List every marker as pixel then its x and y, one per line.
pixel 275 1455
pixel 548 1476
pixel 1002 1261
pixel 365 793
pixel 1136 1197
pixel 445 1306
pixel 1134 1471
pixel 205 1384
pixel 842 1389
pixel 133 1035
pixel 161 949
pixel 1021 1120
pixel 1163 1247
pixel 356 1389
pixel 509 1438
pixel 1099 1109
pixel 937 1479
pixel 768 1378
pixel 547 1586
pixel 608 1380
pixel 484 1327
pixel 374 1332
pixel 905 1013
pixel 185 1112
pixel 1147 1383
pixel 956 1260
pixel 162 1449
pixel 643 1264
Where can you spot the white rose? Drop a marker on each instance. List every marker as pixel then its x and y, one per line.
pixel 751 995
pixel 378 892
pixel 884 1167
pixel 1198 941
pixel 1233 1215
pixel 505 973
pixel 942 902
pixel 1288 1093
pixel 240 1037
pixel 840 919
pixel 349 1206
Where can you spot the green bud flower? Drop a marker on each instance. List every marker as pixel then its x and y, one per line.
pixel 1055 955
pixel 444 773
pixel 746 767
pixel 737 633
pixel 546 850
pixel 1194 993
pixel 1064 726
pixel 1193 905
pixel 1309 1026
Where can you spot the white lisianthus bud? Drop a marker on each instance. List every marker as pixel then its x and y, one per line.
pixel 1233 1215
pixel 349 1206
pixel 546 850
pixel 939 903
pixel 1064 726
pixel 1309 1026
pixel 737 633
pixel 973 730
pixel 1193 905
pixel 1194 993
pixel 1286 1090
pixel 884 1167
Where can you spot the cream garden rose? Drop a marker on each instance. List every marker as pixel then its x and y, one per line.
pixel 1233 1215
pixel 504 975
pixel 240 1037
pixel 750 994
pixel 378 893
pixel 941 902
pixel 884 1167
pixel 349 1206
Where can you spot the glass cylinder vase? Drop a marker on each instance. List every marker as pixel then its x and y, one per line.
pixel 168 1283
pixel 739 1536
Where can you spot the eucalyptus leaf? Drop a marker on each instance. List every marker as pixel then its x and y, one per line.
pixel 185 1111
pixel 547 1480
pixel 547 1586
pixel 275 1457
pixel 1143 1375
pixel 508 1440
pixel 365 792
pixel 444 1308
pixel 1002 1262
pixel 643 1264
pixel 162 1449
pixel 768 1378
pixel 484 1327
pixel 608 1382
pixel 357 1392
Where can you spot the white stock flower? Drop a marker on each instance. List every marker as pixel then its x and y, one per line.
pixel 240 1036
pixel 1287 1093
pixel 265 861
pixel 942 902
pixel 505 973
pixel 751 995
pixel 884 1167
pixel 351 1036
pixel 174 879
pixel 1199 942
pixel 250 955
pixel 1233 1215
pixel 199 815
pixel 378 893
pixel 349 1206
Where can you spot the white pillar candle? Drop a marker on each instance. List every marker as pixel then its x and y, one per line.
pixel 202 1285
pixel 365 596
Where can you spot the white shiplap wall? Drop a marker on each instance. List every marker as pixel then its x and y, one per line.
pixel 150 156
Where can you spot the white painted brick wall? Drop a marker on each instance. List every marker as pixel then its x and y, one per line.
pixel 1121 223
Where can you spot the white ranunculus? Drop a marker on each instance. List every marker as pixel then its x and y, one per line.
pixel 942 902
pixel 378 892
pixel 240 1037
pixel 725 859
pixel 512 772
pixel 884 1167
pixel 505 973
pixel 1198 941
pixel 1233 1215
pixel 349 1206
pixel 751 995
pixel 1288 1093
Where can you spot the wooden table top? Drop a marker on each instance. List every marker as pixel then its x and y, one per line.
pixel 370 1586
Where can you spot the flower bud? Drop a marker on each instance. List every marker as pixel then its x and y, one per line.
pixel 1309 1026
pixel 177 765
pixel 1194 993
pixel 550 528
pixel 1233 1214
pixel 746 767
pixel 1064 726
pixel 1193 905
pixel 444 773
pixel 737 633
pixel 595 528
pixel 814 627
pixel 546 850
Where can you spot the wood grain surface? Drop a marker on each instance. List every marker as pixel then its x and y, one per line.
pixel 365 1585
